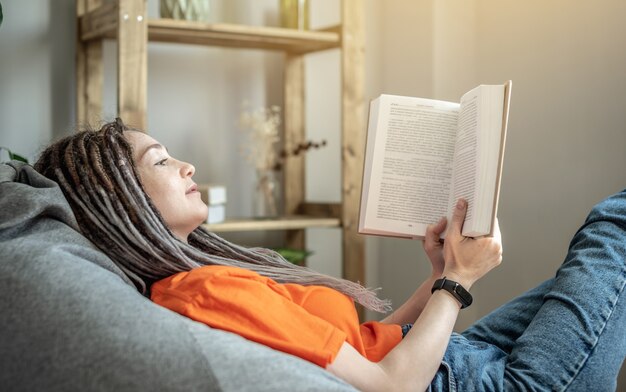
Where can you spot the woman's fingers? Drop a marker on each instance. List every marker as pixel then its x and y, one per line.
pixel 433 233
pixel 458 217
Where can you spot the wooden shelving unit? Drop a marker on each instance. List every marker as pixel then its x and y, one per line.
pixel 126 21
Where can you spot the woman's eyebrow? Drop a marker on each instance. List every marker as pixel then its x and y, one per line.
pixel 150 147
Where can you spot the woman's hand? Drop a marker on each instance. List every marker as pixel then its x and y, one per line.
pixel 469 259
pixel 433 246
pixel 412 364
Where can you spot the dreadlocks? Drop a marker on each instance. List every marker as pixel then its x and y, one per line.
pixel 98 177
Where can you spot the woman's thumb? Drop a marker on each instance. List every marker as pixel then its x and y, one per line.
pixel 458 216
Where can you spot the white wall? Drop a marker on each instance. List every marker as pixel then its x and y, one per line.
pixel 36 73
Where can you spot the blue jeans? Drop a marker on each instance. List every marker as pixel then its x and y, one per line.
pixel 568 334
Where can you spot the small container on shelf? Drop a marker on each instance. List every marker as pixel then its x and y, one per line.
pixel 214 196
pixel 194 10
pixel 217 214
pixel 294 14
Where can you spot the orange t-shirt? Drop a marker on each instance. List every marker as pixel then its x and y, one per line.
pixel 311 322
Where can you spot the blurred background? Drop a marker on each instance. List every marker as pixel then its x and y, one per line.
pixel 566 147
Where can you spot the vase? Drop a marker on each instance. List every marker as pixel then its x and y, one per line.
pixel 294 14
pixel 267 194
pixel 196 10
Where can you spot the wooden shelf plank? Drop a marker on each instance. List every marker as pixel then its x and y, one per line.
pixel 295 222
pixel 102 23
pixel 241 36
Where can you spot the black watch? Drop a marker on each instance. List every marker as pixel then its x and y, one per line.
pixel 458 291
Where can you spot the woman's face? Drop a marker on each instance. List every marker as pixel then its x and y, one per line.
pixel 168 183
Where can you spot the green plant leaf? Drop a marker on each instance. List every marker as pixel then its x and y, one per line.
pixel 1 14
pixel 17 157
pixel 295 256
pixel 13 156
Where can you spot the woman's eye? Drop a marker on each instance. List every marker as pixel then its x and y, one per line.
pixel 161 162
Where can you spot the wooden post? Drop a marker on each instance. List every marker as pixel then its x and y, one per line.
pixel 353 137
pixel 294 133
pixel 89 74
pixel 132 62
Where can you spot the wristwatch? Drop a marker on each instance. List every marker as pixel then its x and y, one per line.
pixel 454 288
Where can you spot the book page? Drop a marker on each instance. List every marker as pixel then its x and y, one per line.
pixel 478 158
pixel 492 138
pixel 466 156
pixel 412 164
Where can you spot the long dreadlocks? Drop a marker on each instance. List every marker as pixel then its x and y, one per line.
pixel 98 177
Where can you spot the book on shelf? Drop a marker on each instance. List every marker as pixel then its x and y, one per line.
pixel 212 194
pixel 422 155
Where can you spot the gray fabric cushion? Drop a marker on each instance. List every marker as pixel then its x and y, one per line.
pixel 71 320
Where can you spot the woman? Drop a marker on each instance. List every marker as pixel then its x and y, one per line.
pixel 141 207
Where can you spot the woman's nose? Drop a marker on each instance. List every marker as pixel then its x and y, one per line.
pixel 188 169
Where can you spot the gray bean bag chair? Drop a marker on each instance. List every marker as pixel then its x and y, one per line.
pixel 71 320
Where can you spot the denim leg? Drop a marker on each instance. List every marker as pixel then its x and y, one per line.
pixel 578 336
pixel 599 373
pixel 503 326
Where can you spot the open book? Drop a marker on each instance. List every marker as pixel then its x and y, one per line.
pixel 422 155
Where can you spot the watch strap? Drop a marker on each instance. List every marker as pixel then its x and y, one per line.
pixel 454 288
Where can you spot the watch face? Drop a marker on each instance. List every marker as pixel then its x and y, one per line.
pixel 463 294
